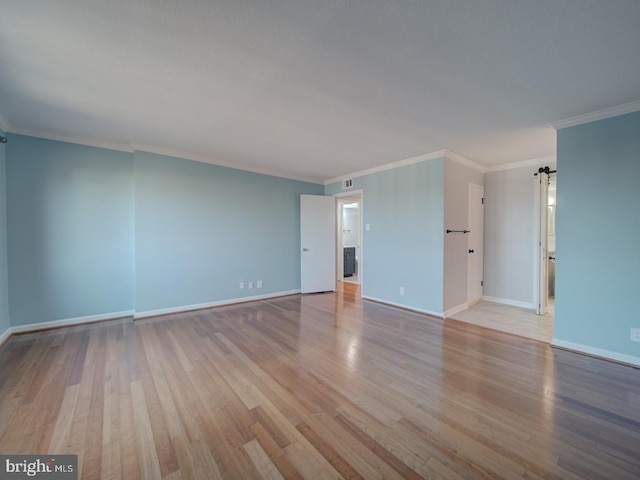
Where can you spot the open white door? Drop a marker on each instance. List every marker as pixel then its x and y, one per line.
pixel 318 244
pixel 475 243
pixel 542 196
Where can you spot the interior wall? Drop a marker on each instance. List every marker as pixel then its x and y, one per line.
pixel 70 230
pixel 202 229
pixel 598 227
pixel 4 285
pixel 404 208
pixel 509 235
pixel 456 210
pixel 76 250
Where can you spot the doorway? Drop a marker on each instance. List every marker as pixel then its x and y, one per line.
pixel 546 200
pixel 551 245
pixel 349 238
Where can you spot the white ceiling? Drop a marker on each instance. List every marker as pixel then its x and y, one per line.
pixel 315 89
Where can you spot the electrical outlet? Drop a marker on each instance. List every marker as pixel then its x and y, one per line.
pixel 401 290
pixel 259 284
pixel 367 227
pixel 635 334
pixel 250 284
pixel 241 285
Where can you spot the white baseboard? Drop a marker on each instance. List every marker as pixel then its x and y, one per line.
pixel 596 352
pixel 200 306
pixel 513 303
pixel 404 307
pixel 5 336
pixel 32 327
pixel 457 309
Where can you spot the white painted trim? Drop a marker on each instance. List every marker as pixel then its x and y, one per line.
pixel 5 336
pixel 349 193
pixel 533 162
pixel 122 147
pixel 388 166
pixel 596 352
pixel 67 322
pixel 206 159
pixel 454 310
pixel 339 197
pixel 201 306
pixel 4 125
pixel 404 307
pixel 465 161
pixel 132 147
pixel 507 301
pixel 597 115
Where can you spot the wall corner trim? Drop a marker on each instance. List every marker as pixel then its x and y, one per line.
pixel 597 115
pixel 202 306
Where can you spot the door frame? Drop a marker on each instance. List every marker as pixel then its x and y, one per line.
pixel 541 255
pixel 339 259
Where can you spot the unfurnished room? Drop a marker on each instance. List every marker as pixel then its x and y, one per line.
pixel 320 239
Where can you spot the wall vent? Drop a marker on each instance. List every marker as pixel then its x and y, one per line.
pixel 347 183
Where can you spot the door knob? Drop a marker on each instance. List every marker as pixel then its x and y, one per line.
pixel 470 251
pixel 305 249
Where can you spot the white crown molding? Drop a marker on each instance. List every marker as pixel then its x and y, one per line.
pixel 131 147
pixel 465 161
pixel 75 140
pixel 532 162
pixel 205 159
pixel 597 115
pixel 4 125
pixel 388 166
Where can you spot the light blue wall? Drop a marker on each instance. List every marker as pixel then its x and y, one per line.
pixel 4 287
pixel 201 229
pixel 598 234
pixel 404 247
pixel 70 230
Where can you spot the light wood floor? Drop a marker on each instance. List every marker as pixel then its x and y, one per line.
pixel 505 318
pixel 316 386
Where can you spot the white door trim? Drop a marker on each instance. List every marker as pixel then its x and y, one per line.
pixel 338 197
pixel 541 189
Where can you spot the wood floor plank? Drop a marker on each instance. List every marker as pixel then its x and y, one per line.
pixel 316 386
pixel 275 452
pixel 264 465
